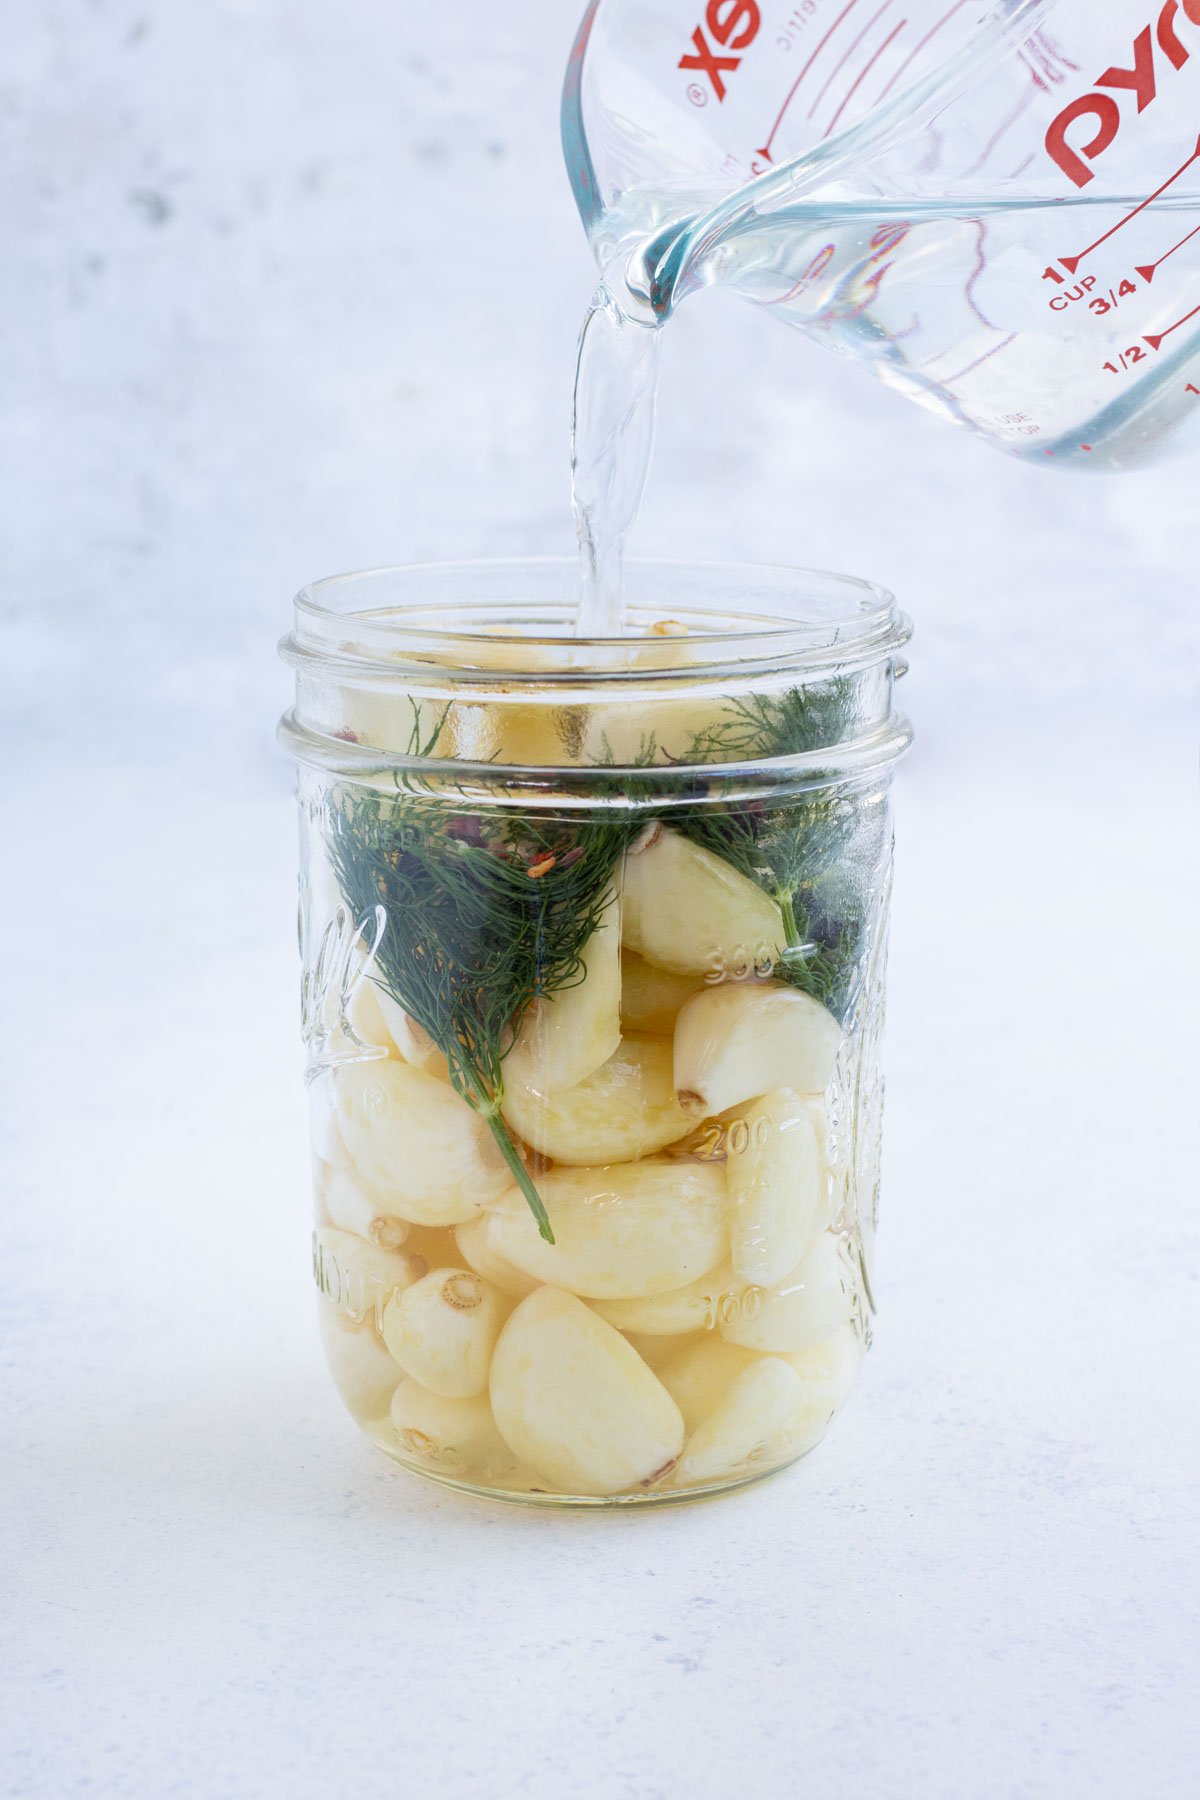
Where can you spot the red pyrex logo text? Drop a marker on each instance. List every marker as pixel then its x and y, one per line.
pixel 1141 79
pixel 733 26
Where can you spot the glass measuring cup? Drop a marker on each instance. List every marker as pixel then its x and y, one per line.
pixel 997 210
pixel 603 937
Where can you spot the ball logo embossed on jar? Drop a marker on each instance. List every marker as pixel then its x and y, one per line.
pixel 329 987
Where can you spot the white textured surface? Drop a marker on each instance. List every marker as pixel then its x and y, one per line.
pixel 269 310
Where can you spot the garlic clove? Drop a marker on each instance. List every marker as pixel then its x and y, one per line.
pixel 478 1254
pixel 699 1376
pixel 737 1042
pixel 411 1040
pixel 818 1112
pixel 452 1437
pixel 687 910
pixel 528 731
pixel 625 1109
pixel 691 1308
pixel 348 1207
pixel 358 1279
pixel 828 1372
pixel 364 1015
pixel 442 1331
pixel 565 1037
pixel 364 1373
pixel 810 1303
pixel 658 1352
pixel 778 1195
pixel 417 1147
pixel 739 1434
pixel 651 997
pixel 324 1134
pixel 577 1403
pixel 620 1232
pixel 377 1019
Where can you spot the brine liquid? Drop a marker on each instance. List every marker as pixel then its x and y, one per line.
pixel 616 377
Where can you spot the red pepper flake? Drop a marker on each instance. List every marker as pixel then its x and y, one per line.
pixel 572 856
pixel 465 827
pixel 542 867
pixel 347 736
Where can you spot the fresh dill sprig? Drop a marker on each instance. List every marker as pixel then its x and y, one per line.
pixel 484 912
pixel 813 855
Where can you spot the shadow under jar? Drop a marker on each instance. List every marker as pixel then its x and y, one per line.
pixel 593 938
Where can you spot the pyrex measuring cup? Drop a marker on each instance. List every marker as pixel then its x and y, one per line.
pixel 996 209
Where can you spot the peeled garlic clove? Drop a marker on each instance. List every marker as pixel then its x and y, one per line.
pixel 659 1352
pixel 757 1408
pixel 739 1041
pixel 411 1040
pixel 358 1279
pixel 662 731
pixel 527 732
pixel 569 1034
pixel 364 1373
pixel 807 1306
pixel 365 1016
pixel 699 1376
pixel 828 1372
pixel 625 1109
pixel 818 1112
pixel 442 1331
pixel 577 1403
pixel 691 1308
pixel 456 1437
pixel 418 1147
pixel 376 1018
pixel 478 1254
pixel 651 997
pixel 686 909
pixel 632 1229
pixel 349 1207
pixel 778 1200
pixel 383 721
pixel 323 1129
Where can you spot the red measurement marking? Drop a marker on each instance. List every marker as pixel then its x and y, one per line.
pixel 1071 263
pixel 1155 338
pixel 913 54
pixel 866 70
pixel 791 93
pixel 843 60
pixel 1147 271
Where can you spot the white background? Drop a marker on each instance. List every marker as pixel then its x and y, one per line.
pixel 290 288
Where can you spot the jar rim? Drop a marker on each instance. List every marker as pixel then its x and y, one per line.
pixel 465 645
pixel 399 611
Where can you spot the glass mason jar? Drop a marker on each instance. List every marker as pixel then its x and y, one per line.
pixel 593 937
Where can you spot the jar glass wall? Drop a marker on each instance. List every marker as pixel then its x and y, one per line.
pixel 593 939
